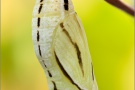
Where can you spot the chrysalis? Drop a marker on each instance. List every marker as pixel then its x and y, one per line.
pixel 61 46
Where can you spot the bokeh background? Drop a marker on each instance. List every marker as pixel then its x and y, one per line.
pixel 110 34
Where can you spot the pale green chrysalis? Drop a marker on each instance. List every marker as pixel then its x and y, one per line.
pixel 61 46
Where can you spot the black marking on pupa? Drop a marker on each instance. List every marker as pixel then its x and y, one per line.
pixel 55 88
pixel 66 5
pixel 49 74
pixel 77 50
pixel 38 22
pixel 79 57
pixel 44 63
pixel 40 8
pixel 66 1
pixel 38 36
pixel 39 49
pixel 92 72
pixel 41 1
pixel 64 71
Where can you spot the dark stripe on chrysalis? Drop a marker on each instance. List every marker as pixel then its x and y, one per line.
pixel 66 6
pixel 41 1
pixel 39 50
pixel 38 22
pixel 55 88
pixel 79 57
pixel 76 47
pixel 77 50
pixel 39 10
pixel 38 36
pixel 49 74
pixel 64 72
pixel 44 63
pixel 92 72
pixel 61 25
pixel 64 30
pixel 66 1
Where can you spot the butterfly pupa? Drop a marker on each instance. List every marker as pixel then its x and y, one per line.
pixel 61 46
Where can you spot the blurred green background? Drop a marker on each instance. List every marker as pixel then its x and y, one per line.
pixel 110 34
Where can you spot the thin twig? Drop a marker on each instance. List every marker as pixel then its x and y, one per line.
pixel 119 4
